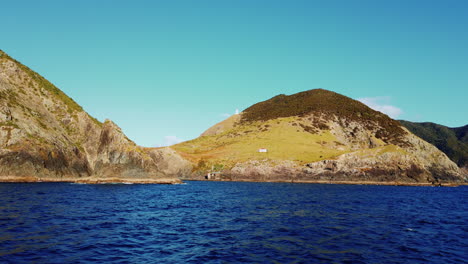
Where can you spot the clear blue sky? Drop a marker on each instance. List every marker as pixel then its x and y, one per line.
pixel 174 68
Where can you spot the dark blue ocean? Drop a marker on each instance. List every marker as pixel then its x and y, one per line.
pixel 232 222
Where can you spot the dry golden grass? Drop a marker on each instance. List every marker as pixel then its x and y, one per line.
pixel 282 139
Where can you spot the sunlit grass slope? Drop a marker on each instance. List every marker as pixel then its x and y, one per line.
pixel 300 128
pixel 283 138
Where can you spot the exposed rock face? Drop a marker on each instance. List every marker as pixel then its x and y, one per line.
pixel 310 137
pixel 45 135
pixel 420 162
pixel 452 141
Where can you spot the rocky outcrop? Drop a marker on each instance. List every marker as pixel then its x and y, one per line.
pixel 388 166
pixel 46 136
pixel 452 141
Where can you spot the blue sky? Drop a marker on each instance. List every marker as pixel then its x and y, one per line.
pixel 168 70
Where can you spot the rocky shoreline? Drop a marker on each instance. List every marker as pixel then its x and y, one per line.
pixel 392 183
pixel 91 180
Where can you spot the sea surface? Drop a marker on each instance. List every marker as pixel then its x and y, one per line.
pixel 232 222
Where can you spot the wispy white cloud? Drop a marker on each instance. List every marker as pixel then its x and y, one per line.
pixel 226 115
pixel 382 104
pixel 169 141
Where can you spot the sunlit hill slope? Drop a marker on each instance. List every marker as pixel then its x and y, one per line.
pixel 316 135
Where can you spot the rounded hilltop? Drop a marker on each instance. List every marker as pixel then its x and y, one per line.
pixel 315 136
pixel 330 106
pixel 311 101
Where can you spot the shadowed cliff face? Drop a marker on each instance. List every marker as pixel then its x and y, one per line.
pixel 45 135
pixel 316 135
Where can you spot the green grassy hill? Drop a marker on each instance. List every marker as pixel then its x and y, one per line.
pixel 285 138
pixel 301 128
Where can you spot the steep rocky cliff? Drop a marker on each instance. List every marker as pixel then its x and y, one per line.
pixel 316 136
pixel 46 136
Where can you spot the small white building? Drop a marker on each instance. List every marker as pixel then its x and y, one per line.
pixel 264 150
pixel 215 175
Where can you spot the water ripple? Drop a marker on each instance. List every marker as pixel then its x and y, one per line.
pixel 222 222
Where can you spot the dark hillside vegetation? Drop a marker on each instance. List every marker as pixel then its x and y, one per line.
pixel 461 133
pixel 452 141
pixel 326 103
